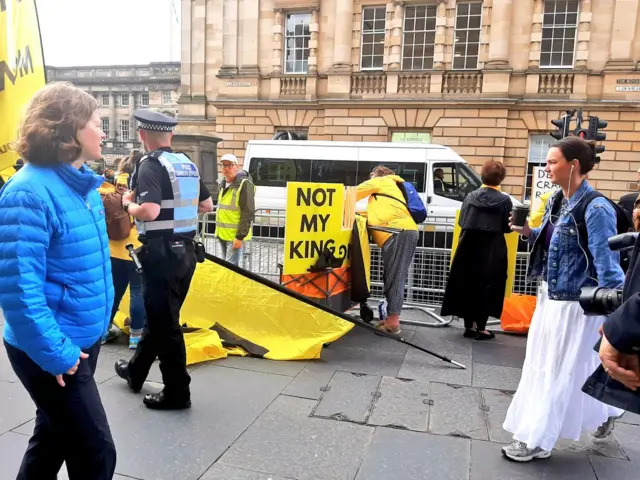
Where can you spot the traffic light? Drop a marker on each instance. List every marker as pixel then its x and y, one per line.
pixel 594 133
pixel 563 127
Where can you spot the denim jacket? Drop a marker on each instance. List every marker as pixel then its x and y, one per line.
pixel 570 266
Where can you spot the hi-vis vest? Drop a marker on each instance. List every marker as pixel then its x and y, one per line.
pixel 228 213
pixel 185 182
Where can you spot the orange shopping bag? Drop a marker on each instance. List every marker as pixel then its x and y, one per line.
pixel 517 313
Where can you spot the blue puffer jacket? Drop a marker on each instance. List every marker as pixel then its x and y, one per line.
pixel 56 289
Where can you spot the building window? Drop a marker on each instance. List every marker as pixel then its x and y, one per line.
pixel 297 38
pixel 166 98
pixel 105 100
pixel 419 37
pixel 291 134
pixel 124 99
pixel 538 147
pixel 124 130
pixel 105 127
pixel 466 45
pixel 559 27
pixel 144 99
pixel 372 41
pixel 411 137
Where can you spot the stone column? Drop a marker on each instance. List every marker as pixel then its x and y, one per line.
pixel 342 37
pixel 314 29
pixel 441 36
pixel 500 34
pixel 395 55
pixel 229 38
pixel 278 40
pixel 185 67
pixel 583 35
pixel 249 29
pixel 625 18
pixel 536 34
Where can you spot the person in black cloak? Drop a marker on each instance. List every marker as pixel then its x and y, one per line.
pixel 478 276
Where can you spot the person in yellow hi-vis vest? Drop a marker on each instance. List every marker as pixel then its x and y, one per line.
pixel 538 207
pixel 236 209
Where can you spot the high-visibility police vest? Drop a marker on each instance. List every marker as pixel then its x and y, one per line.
pixel 185 182
pixel 228 212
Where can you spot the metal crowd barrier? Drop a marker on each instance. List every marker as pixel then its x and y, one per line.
pixel 427 276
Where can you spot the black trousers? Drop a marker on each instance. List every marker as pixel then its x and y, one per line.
pixel 71 425
pixel 479 320
pixel 165 279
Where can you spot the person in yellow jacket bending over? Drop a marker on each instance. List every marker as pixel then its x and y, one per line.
pixel 236 209
pixel 122 266
pixel 397 248
pixel 538 207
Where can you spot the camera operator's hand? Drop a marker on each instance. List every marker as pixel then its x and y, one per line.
pixel 625 368
pixel 525 230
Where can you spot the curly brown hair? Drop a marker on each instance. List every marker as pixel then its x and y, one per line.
pixel 53 116
pixel 382 171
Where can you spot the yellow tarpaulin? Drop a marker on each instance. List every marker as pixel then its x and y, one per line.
pixel 512 252
pixel 22 72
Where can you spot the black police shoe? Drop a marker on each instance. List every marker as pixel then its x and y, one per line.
pixel 122 369
pixel 160 401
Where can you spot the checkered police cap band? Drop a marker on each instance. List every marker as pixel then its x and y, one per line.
pixel 155 127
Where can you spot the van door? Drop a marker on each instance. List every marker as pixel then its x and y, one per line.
pixel 449 185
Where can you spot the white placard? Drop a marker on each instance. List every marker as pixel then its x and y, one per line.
pixel 541 183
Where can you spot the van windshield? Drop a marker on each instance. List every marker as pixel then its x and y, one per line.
pixel 454 180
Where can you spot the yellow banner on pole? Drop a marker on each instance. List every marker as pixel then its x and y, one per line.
pixel 313 223
pixel 22 72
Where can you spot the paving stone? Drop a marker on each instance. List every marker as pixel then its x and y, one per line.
pixel 366 340
pixel 166 445
pixel 457 411
pixel 399 454
pixel 220 471
pixel 510 339
pixel 349 397
pixel 497 403
pixel 610 448
pixel 309 382
pixel 614 469
pixel 444 341
pixel 628 437
pixel 284 440
pixel 6 371
pixel 12 448
pixel 488 463
pixel 422 366
pixel 16 406
pixel 402 404
pixel 497 377
pixel 370 362
pixel 630 418
pixel 496 354
pixel 286 368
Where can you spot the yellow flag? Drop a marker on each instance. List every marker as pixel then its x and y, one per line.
pixel 22 72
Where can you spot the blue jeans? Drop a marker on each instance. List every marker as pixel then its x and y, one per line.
pixel 230 254
pixel 124 274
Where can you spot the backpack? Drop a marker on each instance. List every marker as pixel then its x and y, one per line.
pixel 118 221
pixel 412 201
pixel 624 223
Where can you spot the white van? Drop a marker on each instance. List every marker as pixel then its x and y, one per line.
pixel 439 174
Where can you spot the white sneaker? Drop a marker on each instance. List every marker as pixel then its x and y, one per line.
pixel 519 452
pixel 605 430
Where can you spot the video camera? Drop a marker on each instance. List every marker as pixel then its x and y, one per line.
pixel 600 301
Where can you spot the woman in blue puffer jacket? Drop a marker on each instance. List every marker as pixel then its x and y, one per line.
pixel 56 289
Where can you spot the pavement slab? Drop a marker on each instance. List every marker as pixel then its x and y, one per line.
pixel 496 377
pixel 402 404
pixel 609 448
pixel 497 403
pixel 443 341
pixel 288 369
pixel 367 340
pixel 403 455
pixel 457 411
pixel 349 397
pixel 16 406
pixel 287 442
pixel 183 445
pixel 220 471
pixel 422 366
pixel 496 354
pixel 630 418
pixel 311 380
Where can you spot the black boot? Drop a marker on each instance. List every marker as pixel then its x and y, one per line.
pixel 161 401
pixel 122 369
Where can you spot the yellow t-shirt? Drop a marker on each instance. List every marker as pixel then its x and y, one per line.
pixel 118 247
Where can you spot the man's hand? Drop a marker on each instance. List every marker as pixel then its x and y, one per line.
pixel 127 197
pixel 72 370
pixel 623 367
pixel 237 243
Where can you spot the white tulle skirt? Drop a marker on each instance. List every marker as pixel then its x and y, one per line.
pixel 549 403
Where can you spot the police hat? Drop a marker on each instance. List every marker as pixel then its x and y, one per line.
pixel 154 121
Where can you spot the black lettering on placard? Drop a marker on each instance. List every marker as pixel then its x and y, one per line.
pixel 310 223
pixel 320 197
pixel 24 66
pixel 312 248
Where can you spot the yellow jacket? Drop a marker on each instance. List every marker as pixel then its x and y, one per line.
pixel 383 211
pixel 538 207
pixel 118 247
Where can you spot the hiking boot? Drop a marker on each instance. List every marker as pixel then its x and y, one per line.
pixel 519 452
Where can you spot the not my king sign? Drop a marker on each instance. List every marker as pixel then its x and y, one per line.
pixel 313 223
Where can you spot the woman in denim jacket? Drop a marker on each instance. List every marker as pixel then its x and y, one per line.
pixel 549 403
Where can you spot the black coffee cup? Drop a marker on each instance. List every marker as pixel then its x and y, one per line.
pixel 519 216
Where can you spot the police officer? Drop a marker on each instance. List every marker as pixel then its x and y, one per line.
pixel 166 194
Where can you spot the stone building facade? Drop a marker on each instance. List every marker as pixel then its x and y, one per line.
pixel 482 77
pixel 120 90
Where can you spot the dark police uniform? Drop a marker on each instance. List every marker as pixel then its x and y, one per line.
pixel 171 180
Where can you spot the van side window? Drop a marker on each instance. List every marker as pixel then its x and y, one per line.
pixel 454 180
pixel 330 171
pixel 410 172
pixel 276 172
